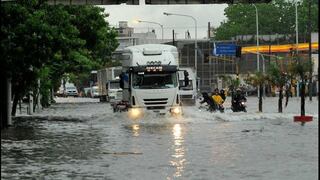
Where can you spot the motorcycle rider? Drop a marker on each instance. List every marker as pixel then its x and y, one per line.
pixel 218 100
pixel 223 94
pixel 207 99
pixel 236 100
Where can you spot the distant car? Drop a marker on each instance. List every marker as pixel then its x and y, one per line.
pixel 71 91
pixel 60 92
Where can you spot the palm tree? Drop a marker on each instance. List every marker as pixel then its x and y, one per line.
pixel 302 70
pixel 257 80
pixel 232 83
pixel 278 78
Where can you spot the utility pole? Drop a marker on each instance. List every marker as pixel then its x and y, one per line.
pixel 173 37
pixel 38 97
pixel 310 56
pixel 208 30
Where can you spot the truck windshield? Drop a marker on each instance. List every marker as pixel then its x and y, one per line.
pixel 154 80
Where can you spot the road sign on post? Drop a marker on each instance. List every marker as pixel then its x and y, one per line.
pixel 225 49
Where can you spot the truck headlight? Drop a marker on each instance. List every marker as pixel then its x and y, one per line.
pixel 135 113
pixel 176 110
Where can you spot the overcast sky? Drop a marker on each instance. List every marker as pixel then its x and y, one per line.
pixel 213 13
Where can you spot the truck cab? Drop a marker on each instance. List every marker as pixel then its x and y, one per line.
pixel 150 79
pixel 113 90
pixel 108 83
pixel 187 93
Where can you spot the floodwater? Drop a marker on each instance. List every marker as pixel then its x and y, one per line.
pixel 89 141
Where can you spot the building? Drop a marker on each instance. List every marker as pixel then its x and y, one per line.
pixel 124 30
pixel 127 37
pixel 210 69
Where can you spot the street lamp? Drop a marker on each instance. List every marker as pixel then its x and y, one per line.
pixel 258 59
pixel 195 42
pixel 297 30
pixel 151 22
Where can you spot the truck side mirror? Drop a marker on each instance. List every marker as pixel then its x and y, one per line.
pixel 186 78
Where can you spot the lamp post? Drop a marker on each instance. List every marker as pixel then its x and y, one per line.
pixel 151 22
pixel 195 41
pixel 297 30
pixel 258 59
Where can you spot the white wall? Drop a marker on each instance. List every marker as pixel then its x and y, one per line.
pixel 314 37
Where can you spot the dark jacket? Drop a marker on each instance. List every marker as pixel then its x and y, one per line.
pixel 223 95
pixel 207 99
pixel 239 97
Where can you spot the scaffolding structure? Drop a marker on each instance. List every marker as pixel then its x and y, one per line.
pixel 209 68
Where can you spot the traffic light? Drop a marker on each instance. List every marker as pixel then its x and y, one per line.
pixel 238 51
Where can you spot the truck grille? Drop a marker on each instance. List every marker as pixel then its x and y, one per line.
pixel 156 107
pixel 158 101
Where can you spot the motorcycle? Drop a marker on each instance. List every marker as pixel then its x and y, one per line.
pixel 211 109
pixel 239 106
pixel 120 106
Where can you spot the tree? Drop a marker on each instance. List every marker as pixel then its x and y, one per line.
pixel 302 70
pixel 257 80
pixel 278 78
pixel 232 83
pixel 275 17
pixel 26 45
pixel 42 41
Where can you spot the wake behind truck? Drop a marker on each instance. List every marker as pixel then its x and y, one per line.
pixel 150 79
pixel 108 83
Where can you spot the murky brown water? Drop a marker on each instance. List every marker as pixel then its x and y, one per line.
pixel 197 146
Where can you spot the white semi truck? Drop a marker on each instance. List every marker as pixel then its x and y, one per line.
pixel 149 79
pixel 188 93
pixel 108 83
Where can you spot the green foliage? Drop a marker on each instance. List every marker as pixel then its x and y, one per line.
pixel 277 77
pixel 275 17
pixel 45 85
pixel 256 79
pixel 42 41
pixel 232 82
pixel 301 68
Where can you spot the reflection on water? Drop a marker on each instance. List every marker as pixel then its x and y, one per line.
pixel 178 157
pixel 135 129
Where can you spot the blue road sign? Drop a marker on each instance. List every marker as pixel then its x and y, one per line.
pixel 225 49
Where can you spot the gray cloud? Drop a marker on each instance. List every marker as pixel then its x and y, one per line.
pixel 213 13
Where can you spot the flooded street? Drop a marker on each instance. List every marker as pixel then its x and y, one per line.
pixel 86 140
